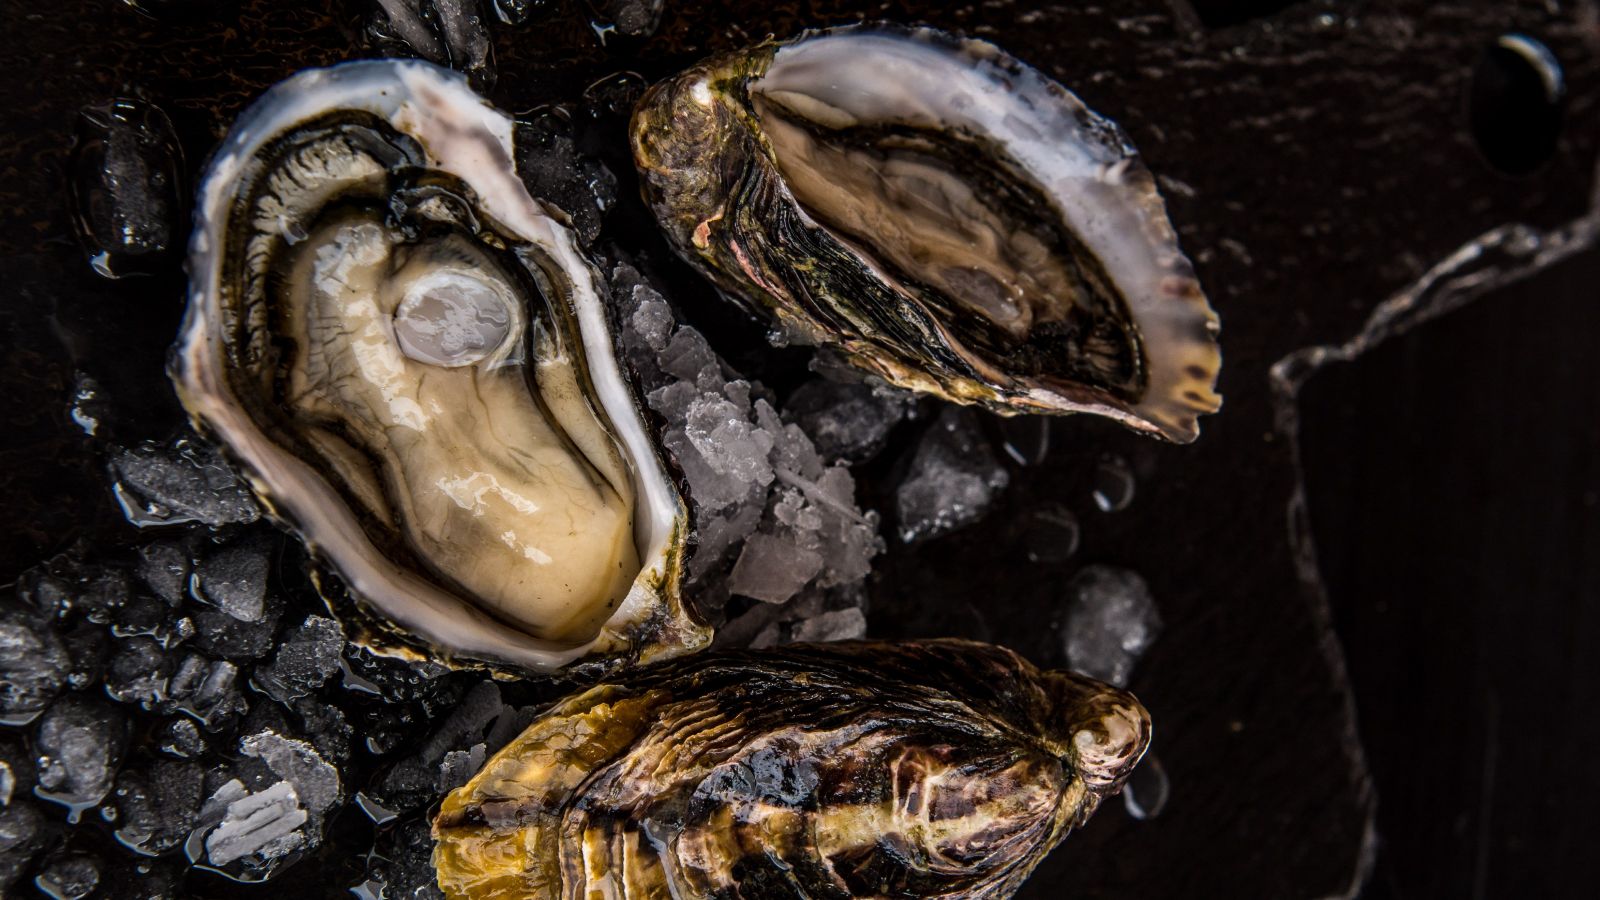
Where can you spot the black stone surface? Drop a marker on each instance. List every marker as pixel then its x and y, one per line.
pixel 1316 157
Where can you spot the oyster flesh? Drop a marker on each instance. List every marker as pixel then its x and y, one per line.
pixel 860 769
pixel 950 218
pixel 411 361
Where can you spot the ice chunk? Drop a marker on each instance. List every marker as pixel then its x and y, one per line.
pixel 556 171
pixel 205 689
pixel 447 32
pixel 1111 620
pixel 80 744
pixel 772 570
pixel 728 441
pixel 234 580
pixel 188 482
pixel 459 766
pixel 164 568
pixel 138 673
pixel 415 780
pixel 838 625
pixel 71 876
pixel 24 831
pixel 952 480
pixel 652 321
pixel 158 808
pixel 315 782
pixel 308 657
pixel 182 738
pixel 126 180
pixel 33 665
pixel 401 864
pixel 635 18
pixel 848 420
pixel 763 498
pixel 265 822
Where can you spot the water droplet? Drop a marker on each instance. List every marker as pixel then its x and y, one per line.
pixel 614 94
pixel 1026 439
pixel 125 186
pixel 1053 535
pixel 1147 789
pixel 1515 104
pixel 1113 484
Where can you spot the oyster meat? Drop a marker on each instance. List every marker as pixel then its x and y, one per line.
pixel 950 218
pixel 411 361
pixel 859 769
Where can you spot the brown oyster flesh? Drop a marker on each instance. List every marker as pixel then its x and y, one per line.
pixel 934 768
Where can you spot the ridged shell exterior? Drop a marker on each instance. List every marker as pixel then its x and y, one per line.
pixel 859 769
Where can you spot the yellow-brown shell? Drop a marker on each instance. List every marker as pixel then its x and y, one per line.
pixel 859 769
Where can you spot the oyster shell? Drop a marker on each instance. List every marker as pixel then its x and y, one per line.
pixel 410 360
pixel 950 218
pixel 863 769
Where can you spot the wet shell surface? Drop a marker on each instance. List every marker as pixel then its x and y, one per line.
pixel 410 359
pixel 950 218
pixel 859 769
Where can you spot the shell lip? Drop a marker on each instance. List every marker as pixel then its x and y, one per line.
pixel 466 137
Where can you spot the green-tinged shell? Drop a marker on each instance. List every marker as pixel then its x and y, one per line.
pixel 859 769
pixel 951 219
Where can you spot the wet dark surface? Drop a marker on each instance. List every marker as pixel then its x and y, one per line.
pixel 1314 162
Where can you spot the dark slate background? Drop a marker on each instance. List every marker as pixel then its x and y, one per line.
pixel 1316 157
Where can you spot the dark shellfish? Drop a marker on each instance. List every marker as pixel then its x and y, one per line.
pixel 948 217
pixel 862 769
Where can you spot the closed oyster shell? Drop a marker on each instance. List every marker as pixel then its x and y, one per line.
pixel 951 219
pixel 411 361
pixel 862 769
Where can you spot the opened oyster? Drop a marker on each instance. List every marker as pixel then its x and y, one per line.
pixel 914 769
pixel 950 218
pixel 411 361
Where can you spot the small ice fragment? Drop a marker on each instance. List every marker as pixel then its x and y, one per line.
pixel 315 782
pixel 458 767
pixel 772 570
pixel 138 673
pixel 257 822
pixel 848 420
pixel 70 877
pixel 234 580
pixel 80 744
pixel 952 480
pixel 837 625
pixel 1111 620
pixel 635 18
pixel 164 567
pixel 1113 484
pixel 33 665
pixel 309 656
pixel 185 483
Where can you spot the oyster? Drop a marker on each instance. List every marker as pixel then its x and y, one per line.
pixel 410 360
pixel 864 769
pixel 950 218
